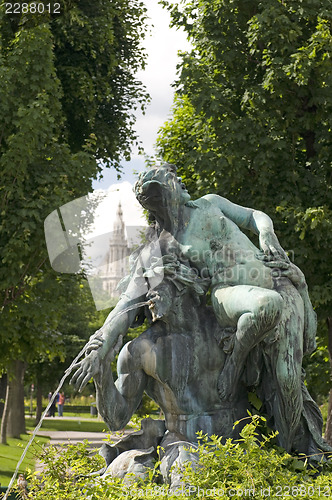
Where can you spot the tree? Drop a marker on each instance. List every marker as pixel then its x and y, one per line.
pixel 79 320
pixel 48 324
pixel 66 96
pixel 66 88
pixel 252 120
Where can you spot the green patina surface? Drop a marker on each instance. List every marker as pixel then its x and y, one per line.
pixel 199 362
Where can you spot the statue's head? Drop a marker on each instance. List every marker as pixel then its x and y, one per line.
pixel 159 187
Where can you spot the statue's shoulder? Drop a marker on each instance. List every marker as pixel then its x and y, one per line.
pixel 147 338
pixel 132 353
pixel 209 201
pixel 212 198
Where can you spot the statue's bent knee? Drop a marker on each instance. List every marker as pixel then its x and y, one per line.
pixel 268 310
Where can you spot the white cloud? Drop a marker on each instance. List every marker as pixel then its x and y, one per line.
pixel 162 46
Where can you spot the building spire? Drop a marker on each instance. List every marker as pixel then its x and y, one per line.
pixel 119 227
pixel 119 212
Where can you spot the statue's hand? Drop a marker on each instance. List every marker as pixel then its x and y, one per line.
pixel 95 342
pixel 95 360
pixel 287 270
pixel 85 370
pixel 155 305
pixel 271 247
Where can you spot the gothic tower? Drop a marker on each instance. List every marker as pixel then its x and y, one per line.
pixel 116 263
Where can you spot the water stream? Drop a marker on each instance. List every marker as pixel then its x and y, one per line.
pixel 62 381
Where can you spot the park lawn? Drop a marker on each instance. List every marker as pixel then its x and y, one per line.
pixel 61 424
pixel 77 415
pixel 11 453
pixel 66 414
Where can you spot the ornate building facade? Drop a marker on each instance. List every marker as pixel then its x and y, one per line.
pixel 115 264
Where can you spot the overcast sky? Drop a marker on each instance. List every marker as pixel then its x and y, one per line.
pixel 162 46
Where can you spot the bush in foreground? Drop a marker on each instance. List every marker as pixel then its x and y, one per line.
pixel 251 467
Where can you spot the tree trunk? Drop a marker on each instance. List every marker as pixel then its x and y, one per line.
pixel 3 390
pixel 5 416
pixel 13 421
pixel 309 138
pixel 39 397
pixel 328 430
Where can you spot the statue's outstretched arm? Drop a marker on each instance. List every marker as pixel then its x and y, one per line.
pixel 256 221
pixel 107 341
pixel 115 326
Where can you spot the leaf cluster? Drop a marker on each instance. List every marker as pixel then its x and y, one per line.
pixel 98 51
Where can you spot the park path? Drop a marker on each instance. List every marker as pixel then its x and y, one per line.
pixel 95 439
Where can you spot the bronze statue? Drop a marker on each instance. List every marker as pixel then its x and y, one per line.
pixel 198 362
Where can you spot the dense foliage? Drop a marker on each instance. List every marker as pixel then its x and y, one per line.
pixel 67 94
pixel 252 121
pixel 249 468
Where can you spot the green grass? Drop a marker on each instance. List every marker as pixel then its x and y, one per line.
pixel 66 414
pixel 77 415
pixel 11 453
pixel 60 424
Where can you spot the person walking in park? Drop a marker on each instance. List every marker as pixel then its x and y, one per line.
pixel 61 403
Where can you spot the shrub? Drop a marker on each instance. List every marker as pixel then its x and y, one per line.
pixel 65 475
pixel 251 467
